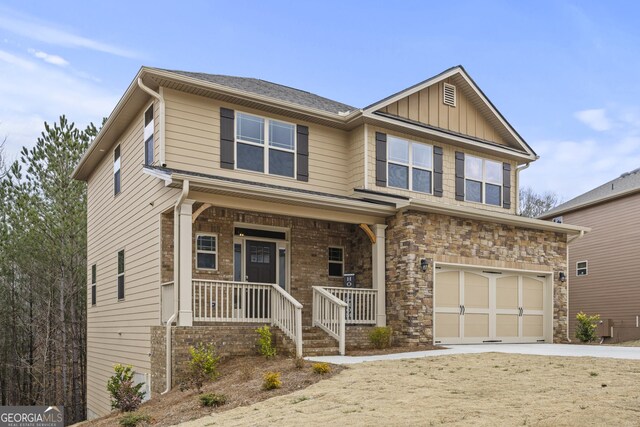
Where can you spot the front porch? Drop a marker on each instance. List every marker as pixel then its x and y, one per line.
pixel 249 267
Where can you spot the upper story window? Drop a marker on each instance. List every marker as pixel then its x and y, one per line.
pixel 206 251
pixel 93 284
pixel 121 275
pixel 148 136
pixel 410 165
pixel 581 268
pixel 265 145
pixel 483 181
pixel 116 171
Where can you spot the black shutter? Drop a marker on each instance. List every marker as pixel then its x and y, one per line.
pixel 302 152
pixel 381 159
pixel 227 138
pixel 459 175
pixel 506 185
pixel 437 171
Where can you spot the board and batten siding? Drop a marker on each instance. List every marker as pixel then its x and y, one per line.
pixel 118 331
pixel 193 144
pixel 448 173
pixel 426 106
pixel 612 249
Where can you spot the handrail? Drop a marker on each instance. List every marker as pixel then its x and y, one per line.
pixel 329 315
pixel 288 296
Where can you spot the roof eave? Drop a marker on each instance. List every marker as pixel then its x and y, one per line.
pixel 553 213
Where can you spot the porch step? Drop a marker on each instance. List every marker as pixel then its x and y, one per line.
pixel 316 342
pixel 325 351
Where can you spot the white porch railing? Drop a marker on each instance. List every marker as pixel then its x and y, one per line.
pixel 329 315
pixel 225 301
pixel 361 304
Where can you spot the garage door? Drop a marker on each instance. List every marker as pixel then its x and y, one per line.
pixel 481 306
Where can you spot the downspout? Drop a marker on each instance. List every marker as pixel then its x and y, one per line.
pixel 518 170
pixel 569 240
pixel 160 97
pixel 176 275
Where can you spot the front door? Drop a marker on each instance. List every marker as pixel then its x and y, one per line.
pixel 261 262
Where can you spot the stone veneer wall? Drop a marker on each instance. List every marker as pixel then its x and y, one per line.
pixel 309 241
pixel 411 236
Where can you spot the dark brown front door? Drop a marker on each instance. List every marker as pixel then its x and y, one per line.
pixel 260 268
pixel 261 262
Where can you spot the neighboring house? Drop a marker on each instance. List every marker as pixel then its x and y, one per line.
pixel 604 266
pixel 220 203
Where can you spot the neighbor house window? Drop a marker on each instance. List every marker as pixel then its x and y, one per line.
pixel 121 275
pixel 265 145
pixel 206 251
pixel 148 136
pixel 483 181
pixel 93 284
pixel 336 262
pixel 581 268
pixel 410 165
pixel 116 171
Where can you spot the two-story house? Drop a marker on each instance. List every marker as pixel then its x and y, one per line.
pixel 216 203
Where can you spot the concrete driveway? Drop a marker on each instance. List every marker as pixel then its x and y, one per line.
pixel 572 350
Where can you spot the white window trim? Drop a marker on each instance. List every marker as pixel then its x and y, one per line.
pixel 483 182
pixel 585 268
pixel 215 252
pixel 149 133
pixel 335 262
pixel 94 282
pixel 265 146
pixel 124 270
pixel 117 147
pixel 410 165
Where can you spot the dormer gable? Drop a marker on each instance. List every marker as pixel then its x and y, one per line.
pixel 452 103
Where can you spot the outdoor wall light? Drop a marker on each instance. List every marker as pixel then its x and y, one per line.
pixel 423 265
pixel 562 277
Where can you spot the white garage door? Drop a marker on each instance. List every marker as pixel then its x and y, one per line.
pixel 484 306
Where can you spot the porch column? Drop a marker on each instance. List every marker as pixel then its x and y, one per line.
pixel 378 273
pixel 185 316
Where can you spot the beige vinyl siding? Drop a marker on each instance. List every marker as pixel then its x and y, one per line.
pixel 448 173
pixel 118 331
pixel 357 156
pixel 426 106
pixel 611 287
pixel 193 144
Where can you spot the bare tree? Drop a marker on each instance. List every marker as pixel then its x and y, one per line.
pixel 534 204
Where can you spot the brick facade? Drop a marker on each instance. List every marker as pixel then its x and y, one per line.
pixel 411 236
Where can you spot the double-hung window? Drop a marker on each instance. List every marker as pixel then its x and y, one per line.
pixel 581 268
pixel 265 145
pixel 148 136
pixel 336 262
pixel 93 284
pixel 116 171
pixel 410 165
pixel 206 251
pixel 483 181
pixel 121 275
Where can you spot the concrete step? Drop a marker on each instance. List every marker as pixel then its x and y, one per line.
pixel 324 351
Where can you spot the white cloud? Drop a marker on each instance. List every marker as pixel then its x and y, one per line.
pixel 30 28
pixel 14 60
pixel 51 59
pixel 596 119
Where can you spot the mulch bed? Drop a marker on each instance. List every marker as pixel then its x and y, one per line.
pixel 393 350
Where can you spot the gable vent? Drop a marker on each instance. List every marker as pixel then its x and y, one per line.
pixel 449 95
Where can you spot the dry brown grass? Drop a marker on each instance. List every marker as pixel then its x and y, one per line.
pixel 488 389
pixel 240 381
pixel 629 344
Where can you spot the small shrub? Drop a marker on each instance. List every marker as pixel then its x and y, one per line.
pixel 212 399
pixel 586 327
pixel 321 368
pixel 380 337
pixel 125 395
pixel 299 363
pixel 271 381
pixel 202 367
pixel 265 343
pixel 132 419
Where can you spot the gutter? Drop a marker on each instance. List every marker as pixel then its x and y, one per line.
pixel 160 97
pixel 518 170
pixel 176 275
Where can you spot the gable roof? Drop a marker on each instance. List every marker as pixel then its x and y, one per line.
pixel 625 184
pixel 472 90
pixel 272 90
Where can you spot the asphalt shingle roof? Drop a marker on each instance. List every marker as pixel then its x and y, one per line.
pixel 273 90
pixel 626 182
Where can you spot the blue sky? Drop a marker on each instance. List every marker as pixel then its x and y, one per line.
pixel 561 72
